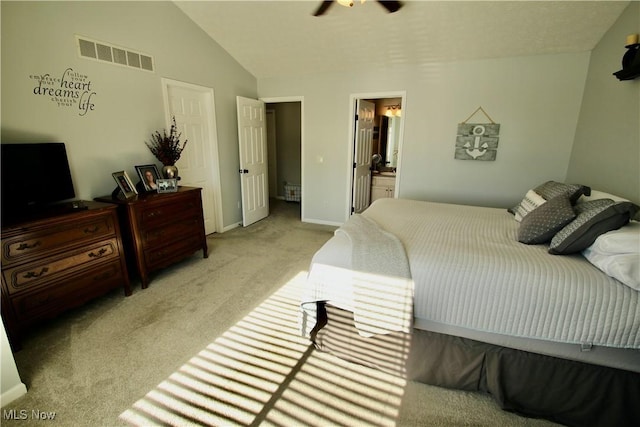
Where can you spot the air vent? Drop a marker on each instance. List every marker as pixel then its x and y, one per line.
pixel 104 52
pixel 118 55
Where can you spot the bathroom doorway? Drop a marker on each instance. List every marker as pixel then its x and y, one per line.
pixel 383 152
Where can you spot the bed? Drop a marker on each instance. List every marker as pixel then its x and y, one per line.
pixel 449 295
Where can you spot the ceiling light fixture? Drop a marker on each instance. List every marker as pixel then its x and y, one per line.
pixel 348 3
pixel 390 5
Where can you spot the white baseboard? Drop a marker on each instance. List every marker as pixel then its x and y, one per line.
pixel 322 222
pixel 231 227
pixel 12 394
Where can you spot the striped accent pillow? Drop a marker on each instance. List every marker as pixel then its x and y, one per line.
pixel 531 201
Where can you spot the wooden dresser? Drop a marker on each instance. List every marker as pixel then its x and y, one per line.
pixel 57 262
pixel 160 229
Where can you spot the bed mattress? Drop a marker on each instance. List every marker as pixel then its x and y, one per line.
pixel 474 279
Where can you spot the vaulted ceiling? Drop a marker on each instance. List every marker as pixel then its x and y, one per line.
pixel 283 38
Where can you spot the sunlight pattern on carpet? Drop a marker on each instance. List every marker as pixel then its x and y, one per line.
pixel 262 372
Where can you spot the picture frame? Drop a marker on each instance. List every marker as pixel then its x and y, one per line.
pixel 124 184
pixel 149 176
pixel 167 185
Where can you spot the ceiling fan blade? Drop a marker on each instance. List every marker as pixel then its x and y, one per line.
pixel 391 6
pixel 323 7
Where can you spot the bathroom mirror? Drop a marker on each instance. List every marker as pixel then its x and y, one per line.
pixel 393 139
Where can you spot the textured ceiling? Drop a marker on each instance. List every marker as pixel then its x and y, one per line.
pixel 282 38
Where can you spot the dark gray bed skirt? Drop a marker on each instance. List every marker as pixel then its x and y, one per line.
pixel 564 391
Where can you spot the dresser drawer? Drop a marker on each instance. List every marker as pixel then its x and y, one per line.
pixel 73 291
pixel 167 255
pixel 39 243
pixel 159 214
pixel 43 271
pixel 175 231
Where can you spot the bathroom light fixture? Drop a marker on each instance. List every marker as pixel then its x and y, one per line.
pixel 393 111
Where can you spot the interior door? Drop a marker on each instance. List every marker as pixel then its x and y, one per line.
pixel 363 149
pixel 254 182
pixel 192 106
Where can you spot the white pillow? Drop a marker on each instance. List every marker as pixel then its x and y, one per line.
pixel 617 253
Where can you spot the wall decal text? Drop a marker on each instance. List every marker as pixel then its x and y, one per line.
pixel 71 89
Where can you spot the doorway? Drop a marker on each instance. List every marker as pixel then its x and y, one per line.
pixel 383 154
pixel 284 149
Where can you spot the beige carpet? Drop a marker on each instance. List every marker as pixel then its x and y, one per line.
pixel 215 342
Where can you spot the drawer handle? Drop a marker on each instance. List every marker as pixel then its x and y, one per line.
pixel 91 230
pixel 97 254
pixel 33 274
pixel 25 246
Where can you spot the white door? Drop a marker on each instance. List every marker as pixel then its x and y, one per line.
pixel 193 108
pixel 252 142
pixel 363 150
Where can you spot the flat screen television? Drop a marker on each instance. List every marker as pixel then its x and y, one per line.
pixel 35 177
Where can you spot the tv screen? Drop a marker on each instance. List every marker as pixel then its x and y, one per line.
pixel 34 176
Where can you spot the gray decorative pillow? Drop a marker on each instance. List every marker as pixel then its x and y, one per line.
pixel 551 189
pixel 593 218
pixel 542 223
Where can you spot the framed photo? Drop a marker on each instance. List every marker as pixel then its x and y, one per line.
pixel 124 183
pixel 167 185
pixel 148 177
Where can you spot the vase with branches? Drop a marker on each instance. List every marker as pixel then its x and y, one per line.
pixel 167 148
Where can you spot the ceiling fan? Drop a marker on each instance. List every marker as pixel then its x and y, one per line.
pixel 391 6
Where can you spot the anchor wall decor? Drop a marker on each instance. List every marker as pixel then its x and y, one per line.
pixel 477 141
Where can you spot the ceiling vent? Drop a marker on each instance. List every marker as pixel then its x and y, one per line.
pixel 106 52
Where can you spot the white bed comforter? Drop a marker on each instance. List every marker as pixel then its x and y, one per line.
pixel 470 271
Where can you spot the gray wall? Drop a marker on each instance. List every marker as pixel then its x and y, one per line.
pixel 38 38
pixel 535 99
pixel 606 151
